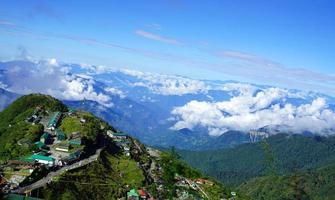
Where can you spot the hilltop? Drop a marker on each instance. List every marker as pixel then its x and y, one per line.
pixel 54 152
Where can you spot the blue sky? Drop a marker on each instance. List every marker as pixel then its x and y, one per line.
pixel 280 42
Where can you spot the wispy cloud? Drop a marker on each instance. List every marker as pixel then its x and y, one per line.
pixel 233 64
pixel 263 65
pixel 6 23
pixel 157 37
pixel 262 69
pixel 247 57
pixel 21 31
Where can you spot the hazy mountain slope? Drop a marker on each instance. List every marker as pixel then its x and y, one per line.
pixel 6 98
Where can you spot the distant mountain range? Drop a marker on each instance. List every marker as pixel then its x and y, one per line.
pixel 170 110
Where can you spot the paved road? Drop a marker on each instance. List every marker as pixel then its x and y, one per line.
pixel 48 178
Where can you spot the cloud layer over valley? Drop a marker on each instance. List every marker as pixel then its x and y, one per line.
pixel 252 111
pixel 179 101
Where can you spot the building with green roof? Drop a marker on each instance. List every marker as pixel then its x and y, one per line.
pixel 65 147
pixel 40 144
pixel 76 142
pixel 133 195
pixel 43 159
pixel 19 197
pixel 119 136
pixel 45 138
pixel 60 135
pixel 54 120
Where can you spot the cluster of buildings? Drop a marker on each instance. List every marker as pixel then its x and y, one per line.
pixel 194 184
pixel 122 140
pixel 140 194
pixel 36 116
pixel 53 149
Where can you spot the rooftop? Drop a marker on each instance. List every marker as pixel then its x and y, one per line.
pixel 41 157
pixel 120 134
pixel 39 144
pixel 45 135
pixel 19 197
pixel 132 193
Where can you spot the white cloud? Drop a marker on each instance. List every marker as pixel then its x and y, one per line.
pixel 171 85
pixel 251 112
pixel 242 88
pixel 115 91
pixel 2 85
pixel 47 76
pixel 53 62
pixel 157 83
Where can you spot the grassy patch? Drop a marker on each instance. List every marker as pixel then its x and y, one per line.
pixel 130 173
pixel 89 129
pixel 70 125
pixel 9 147
pixel 98 180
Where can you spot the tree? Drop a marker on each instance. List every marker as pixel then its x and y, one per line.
pixel 269 158
pixel 174 153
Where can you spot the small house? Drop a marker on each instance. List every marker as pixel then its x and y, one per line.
pixel 72 111
pixel 76 154
pixel 37 120
pixel 120 136
pixel 45 138
pixel 126 148
pixel 204 182
pixel 63 147
pixel 133 195
pixel 72 157
pixel 60 135
pixel 19 197
pixel 143 194
pixel 54 120
pixel 75 135
pixel 43 159
pixel 83 120
pixel 40 145
pixel 75 141
pixel 110 133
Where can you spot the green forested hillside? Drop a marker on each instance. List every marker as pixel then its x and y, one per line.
pixel 313 184
pixel 24 106
pixel 279 154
